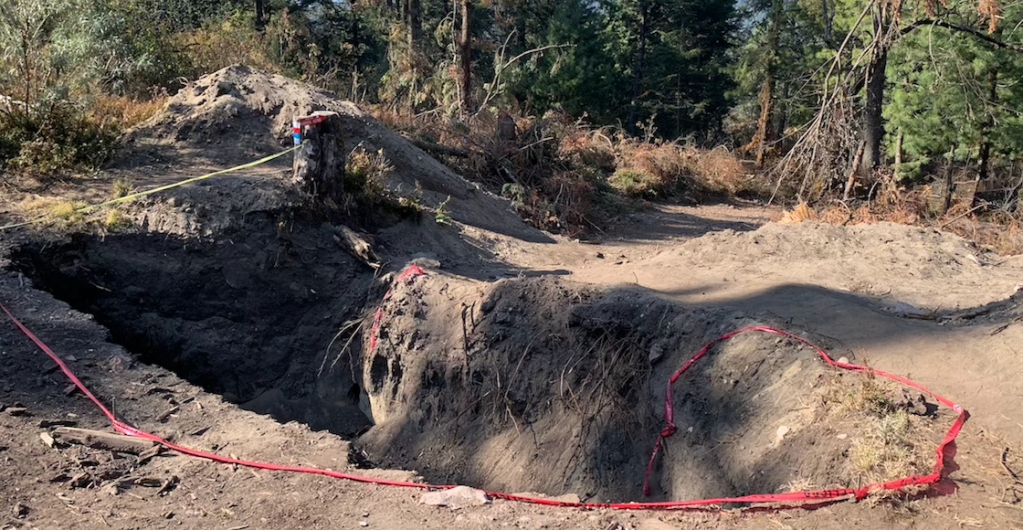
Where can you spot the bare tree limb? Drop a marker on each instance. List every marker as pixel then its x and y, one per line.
pixel 998 44
pixel 500 68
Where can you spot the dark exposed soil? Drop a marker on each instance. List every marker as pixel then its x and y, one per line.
pixel 245 316
pixel 560 389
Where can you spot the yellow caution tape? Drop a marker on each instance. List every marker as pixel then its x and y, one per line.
pixel 134 196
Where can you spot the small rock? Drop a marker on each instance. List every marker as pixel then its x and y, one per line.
pixel 600 255
pixel 47 439
pixel 570 498
pixel 842 436
pixel 782 431
pixel 20 510
pixel 653 524
pixel 843 360
pixel 363 524
pixel 455 498
pixel 656 352
pixel 427 263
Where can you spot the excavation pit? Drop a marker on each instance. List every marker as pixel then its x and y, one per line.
pixel 523 385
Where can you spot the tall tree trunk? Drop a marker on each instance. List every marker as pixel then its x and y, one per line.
pixel 985 146
pixel 465 50
pixel 260 21
pixel 829 23
pixel 637 77
pixel 898 154
pixel 873 123
pixel 415 23
pixel 783 113
pixel 763 136
pixel 949 182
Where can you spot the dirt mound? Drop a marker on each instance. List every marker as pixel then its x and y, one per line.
pixel 555 388
pixel 884 260
pixel 238 114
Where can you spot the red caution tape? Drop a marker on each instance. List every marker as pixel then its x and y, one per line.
pixel 374 335
pixel 798 498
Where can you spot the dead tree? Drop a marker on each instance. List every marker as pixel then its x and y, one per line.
pixel 465 52
pixel 320 162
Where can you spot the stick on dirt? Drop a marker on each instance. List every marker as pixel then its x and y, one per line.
pixel 102 440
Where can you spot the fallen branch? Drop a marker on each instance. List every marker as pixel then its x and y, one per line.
pixel 103 440
pixel 347 238
pixel 431 147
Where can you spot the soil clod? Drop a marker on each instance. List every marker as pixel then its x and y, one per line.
pixel 455 498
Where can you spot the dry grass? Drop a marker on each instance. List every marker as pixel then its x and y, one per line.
pixel 886 452
pixel 798 215
pixel 721 171
pixel 886 447
pixel 800 483
pixel 117 221
pixel 62 212
pixel 998 231
pixel 565 176
pixel 126 112
pixel 122 187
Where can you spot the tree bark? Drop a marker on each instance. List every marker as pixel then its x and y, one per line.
pixel 829 22
pixel 985 146
pixel 850 182
pixel 764 135
pixel 783 113
pixel 949 179
pixel 873 123
pixel 320 163
pixel 415 23
pixel 465 47
pixel 898 154
pixel 885 32
pixel 637 76
pixel 260 22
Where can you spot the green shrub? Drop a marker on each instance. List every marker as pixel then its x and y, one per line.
pixel 58 139
pixel 636 183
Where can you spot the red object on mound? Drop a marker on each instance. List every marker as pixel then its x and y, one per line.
pixel 796 498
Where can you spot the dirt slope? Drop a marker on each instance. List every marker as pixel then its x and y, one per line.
pixel 237 115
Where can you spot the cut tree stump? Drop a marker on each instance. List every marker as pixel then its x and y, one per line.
pixel 320 162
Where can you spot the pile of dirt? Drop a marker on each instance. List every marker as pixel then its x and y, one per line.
pixel 885 260
pixel 238 115
pixel 552 387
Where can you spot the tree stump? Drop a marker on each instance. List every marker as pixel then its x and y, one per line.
pixel 320 163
